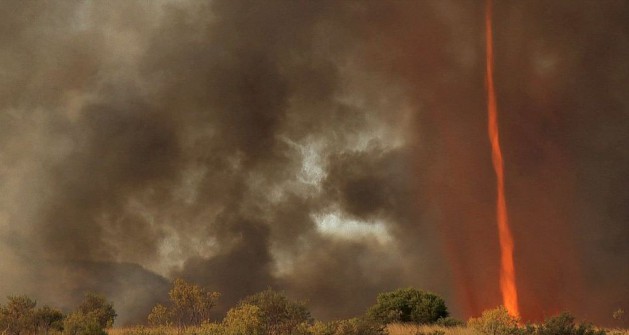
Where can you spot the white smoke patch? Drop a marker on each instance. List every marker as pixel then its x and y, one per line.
pixel 335 225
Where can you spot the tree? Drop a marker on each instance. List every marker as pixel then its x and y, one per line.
pixel 281 315
pixel 189 305
pixel 17 317
pixel 47 319
pixel 408 305
pixel 563 324
pixel 79 323
pixel 97 306
pixel 244 320
pixel 160 316
pixel 496 321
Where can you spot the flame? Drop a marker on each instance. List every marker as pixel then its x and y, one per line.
pixel 508 286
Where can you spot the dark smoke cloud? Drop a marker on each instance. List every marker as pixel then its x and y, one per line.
pixel 329 149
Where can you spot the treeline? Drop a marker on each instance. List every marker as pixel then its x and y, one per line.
pixel 272 313
pixel 189 311
pixel 21 316
pixel 498 321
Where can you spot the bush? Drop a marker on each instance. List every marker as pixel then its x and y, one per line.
pixel 190 305
pixel 496 321
pixel 244 320
pixel 79 323
pixel 18 316
pixel 47 319
pixel 281 315
pixel 211 328
pixel 563 324
pixel 449 322
pixel 322 328
pixel 160 316
pixel 355 326
pixel 93 315
pixel 99 308
pixel 408 305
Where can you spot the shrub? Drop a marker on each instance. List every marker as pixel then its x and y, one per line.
pixel 281 315
pixel 47 319
pixel 408 305
pixel 78 323
pixel 322 328
pixel 99 308
pixel 160 316
pixel 563 324
pixel 212 328
pixel 449 322
pixel 17 317
pixel 357 326
pixel 496 321
pixel 190 305
pixel 244 320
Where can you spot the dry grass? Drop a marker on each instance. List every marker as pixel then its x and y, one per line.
pixel 405 329
pixel 393 329
pixel 141 330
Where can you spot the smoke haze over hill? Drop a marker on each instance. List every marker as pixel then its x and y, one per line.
pixel 330 149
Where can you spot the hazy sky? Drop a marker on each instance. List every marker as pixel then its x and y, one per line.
pixel 328 149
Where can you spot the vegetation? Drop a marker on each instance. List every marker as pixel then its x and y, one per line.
pixel 78 323
pixel 408 305
pixel 93 315
pixel 21 317
pixel 272 313
pixel 244 320
pixel 563 324
pixel 190 305
pixel 96 307
pixel 280 315
pixel 496 321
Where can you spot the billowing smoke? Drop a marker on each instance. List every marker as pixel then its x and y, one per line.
pixel 329 149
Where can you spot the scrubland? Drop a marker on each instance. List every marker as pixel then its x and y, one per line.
pixel 406 311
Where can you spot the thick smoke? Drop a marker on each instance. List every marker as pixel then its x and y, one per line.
pixel 329 149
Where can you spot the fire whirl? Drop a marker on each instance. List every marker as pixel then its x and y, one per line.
pixel 508 286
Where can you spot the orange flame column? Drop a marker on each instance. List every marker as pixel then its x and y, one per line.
pixel 508 286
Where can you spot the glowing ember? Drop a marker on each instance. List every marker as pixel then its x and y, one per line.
pixel 507 269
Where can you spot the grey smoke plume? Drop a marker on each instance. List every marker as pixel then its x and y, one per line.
pixel 329 149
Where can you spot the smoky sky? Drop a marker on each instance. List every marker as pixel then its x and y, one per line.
pixel 327 149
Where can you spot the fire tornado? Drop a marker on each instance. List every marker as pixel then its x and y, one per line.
pixel 508 286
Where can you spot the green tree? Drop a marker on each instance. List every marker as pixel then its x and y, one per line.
pixel 79 323
pixel 190 303
pixel 160 316
pixel 563 324
pixel 495 321
pixel 98 307
pixel 17 317
pixel 245 320
pixel 408 305
pixel 281 315
pixel 47 318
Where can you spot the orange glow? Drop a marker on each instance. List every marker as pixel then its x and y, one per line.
pixel 508 286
